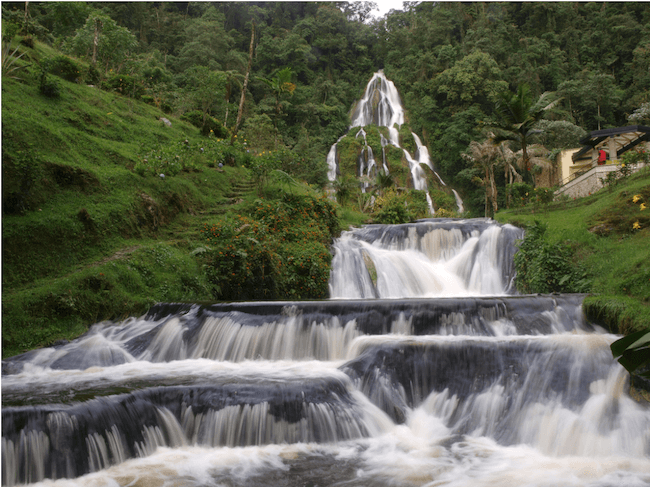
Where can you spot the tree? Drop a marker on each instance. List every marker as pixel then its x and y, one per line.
pixel 64 18
pixel 641 115
pixel 105 42
pixel 280 84
pixel 517 114
pixel 486 156
pixel 206 42
pixel 592 97
pixel 357 11
pixel 474 79
pixel 240 111
pixel 206 88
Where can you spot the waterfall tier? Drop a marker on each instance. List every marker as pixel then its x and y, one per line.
pixel 479 388
pixel 439 257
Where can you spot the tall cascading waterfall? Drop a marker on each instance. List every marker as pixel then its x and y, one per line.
pixel 381 105
pixel 426 369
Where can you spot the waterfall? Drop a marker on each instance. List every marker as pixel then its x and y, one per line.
pixel 389 391
pixel 428 258
pixel 381 105
pixel 424 368
pixel 331 163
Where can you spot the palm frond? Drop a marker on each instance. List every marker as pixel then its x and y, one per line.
pixel 9 58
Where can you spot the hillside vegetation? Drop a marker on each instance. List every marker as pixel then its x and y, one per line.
pixel 144 167
pixel 599 244
pixel 108 209
pixel 450 61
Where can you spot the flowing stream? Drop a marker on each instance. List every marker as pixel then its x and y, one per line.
pixel 424 369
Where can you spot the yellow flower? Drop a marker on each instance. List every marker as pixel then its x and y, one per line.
pixel 636 198
pixel 643 206
pixel 636 225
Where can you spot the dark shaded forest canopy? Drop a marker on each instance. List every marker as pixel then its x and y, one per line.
pixel 311 60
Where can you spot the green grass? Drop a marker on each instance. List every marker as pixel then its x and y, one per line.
pixel 85 237
pixel 599 229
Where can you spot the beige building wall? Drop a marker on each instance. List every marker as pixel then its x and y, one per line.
pixel 564 162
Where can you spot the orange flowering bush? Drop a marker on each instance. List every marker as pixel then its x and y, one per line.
pixel 280 252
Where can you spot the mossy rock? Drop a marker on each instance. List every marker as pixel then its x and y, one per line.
pixel 348 151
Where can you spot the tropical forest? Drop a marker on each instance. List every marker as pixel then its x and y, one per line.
pixel 302 244
pixel 177 151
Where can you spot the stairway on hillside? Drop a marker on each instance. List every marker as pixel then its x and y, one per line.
pixel 238 190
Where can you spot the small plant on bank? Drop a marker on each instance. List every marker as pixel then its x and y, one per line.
pixel 543 196
pixel 543 267
pixel 64 67
pixel 636 156
pixel 186 156
pixel 520 194
pixel 9 58
pixel 209 125
pixel 261 166
pixel 610 180
pixel 394 207
pixel 625 170
pixel 48 87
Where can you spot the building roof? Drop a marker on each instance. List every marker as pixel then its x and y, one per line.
pixel 625 138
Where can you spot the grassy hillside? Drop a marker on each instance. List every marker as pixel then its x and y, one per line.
pixel 91 230
pixel 608 234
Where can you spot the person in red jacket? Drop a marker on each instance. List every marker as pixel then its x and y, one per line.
pixel 602 157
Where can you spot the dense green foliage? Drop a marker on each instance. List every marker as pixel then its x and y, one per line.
pixel 92 231
pixel 281 251
pixel 544 267
pixel 451 62
pixel 393 207
pixel 599 244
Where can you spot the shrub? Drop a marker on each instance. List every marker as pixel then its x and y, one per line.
pixel 10 56
pixel 394 207
pixel 28 41
pixel 261 166
pixel 21 173
pixel 543 196
pixel 65 67
pixel 280 252
pixel 211 125
pixel 443 201
pixel 610 180
pixel 131 86
pixel 49 87
pixel 543 267
pixel 635 156
pixel 92 75
pixel 520 194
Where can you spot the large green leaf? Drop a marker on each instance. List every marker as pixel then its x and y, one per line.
pixel 633 351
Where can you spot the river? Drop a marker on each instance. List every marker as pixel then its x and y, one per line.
pixel 423 369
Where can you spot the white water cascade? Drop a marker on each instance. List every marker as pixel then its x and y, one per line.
pixel 424 369
pixel 381 105
pixel 431 258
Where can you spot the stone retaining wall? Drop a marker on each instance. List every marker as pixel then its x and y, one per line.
pixel 589 182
